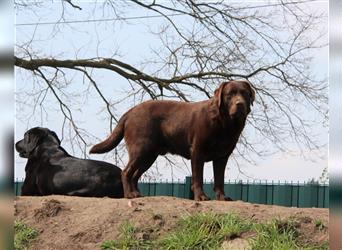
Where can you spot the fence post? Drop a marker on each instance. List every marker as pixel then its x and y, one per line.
pixel 16 187
pixel 188 192
pixel 291 194
pixel 272 192
pixel 298 186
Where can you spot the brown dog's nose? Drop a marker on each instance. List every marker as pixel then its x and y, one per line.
pixel 239 103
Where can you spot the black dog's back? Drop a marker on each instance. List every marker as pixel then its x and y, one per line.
pixel 80 177
pixel 51 170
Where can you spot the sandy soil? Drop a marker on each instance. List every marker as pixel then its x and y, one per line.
pixel 66 222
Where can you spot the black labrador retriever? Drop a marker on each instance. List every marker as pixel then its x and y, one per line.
pixel 51 170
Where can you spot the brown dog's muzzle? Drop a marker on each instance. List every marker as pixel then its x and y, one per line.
pixel 240 105
pixel 238 108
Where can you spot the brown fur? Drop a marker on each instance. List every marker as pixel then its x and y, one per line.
pixel 201 131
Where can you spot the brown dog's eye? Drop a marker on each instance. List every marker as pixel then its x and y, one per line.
pixel 230 94
pixel 228 97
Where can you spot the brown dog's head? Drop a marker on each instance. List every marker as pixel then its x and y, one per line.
pixel 235 98
pixel 33 138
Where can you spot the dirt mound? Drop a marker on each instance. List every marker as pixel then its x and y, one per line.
pixel 65 222
pixel 49 208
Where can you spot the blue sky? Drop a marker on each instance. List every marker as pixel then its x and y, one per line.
pixel 134 41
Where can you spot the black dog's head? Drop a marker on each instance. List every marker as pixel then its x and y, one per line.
pixel 33 138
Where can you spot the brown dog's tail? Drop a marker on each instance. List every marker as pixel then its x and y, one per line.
pixel 112 141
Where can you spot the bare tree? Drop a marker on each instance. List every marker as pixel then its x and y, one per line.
pixel 202 43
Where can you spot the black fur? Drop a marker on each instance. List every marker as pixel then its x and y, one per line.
pixel 51 170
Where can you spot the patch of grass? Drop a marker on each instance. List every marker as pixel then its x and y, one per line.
pixel 127 239
pixel 280 235
pixel 323 246
pixel 204 231
pixel 274 235
pixel 209 230
pixel 23 235
pixel 319 224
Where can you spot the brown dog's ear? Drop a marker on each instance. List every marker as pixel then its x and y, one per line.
pixel 218 93
pixel 252 94
pixel 251 89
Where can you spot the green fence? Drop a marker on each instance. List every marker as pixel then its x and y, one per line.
pixel 272 193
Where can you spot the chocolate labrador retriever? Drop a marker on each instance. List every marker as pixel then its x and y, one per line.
pixel 51 170
pixel 201 131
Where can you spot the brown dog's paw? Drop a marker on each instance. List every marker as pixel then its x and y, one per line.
pixel 201 197
pixel 132 195
pixel 220 197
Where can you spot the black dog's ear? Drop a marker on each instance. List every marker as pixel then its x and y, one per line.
pixel 31 142
pixel 55 135
pixel 218 93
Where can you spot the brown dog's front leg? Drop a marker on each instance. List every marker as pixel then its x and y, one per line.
pixel 219 166
pixel 197 165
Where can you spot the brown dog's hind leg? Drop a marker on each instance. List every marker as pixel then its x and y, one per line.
pixel 126 178
pixel 136 166
pixel 142 169
pixel 219 166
